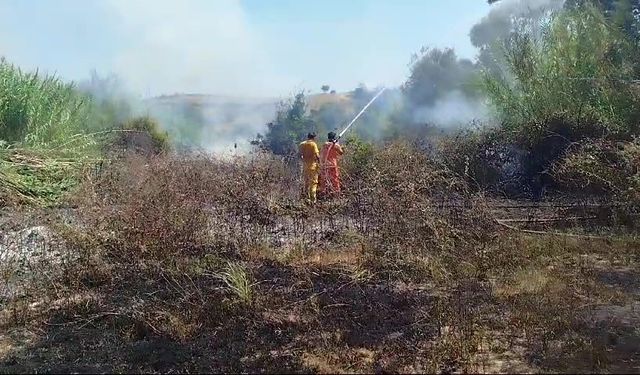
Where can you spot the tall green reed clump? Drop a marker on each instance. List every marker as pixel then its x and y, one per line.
pixel 49 131
pixel 38 111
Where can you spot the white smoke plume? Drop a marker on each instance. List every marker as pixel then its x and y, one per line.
pixel 192 46
pixel 205 47
pixel 454 110
pixel 218 124
pixel 195 46
pixel 498 23
pixel 511 8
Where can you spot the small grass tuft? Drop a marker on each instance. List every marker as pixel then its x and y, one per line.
pixel 238 281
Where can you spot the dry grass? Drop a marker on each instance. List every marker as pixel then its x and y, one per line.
pixel 318 100
pixel 186 263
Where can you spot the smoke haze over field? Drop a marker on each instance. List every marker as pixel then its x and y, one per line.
pixel 193 46
pixel 231 47
pixel 496 24
pixel 216 123
pixel 452 111
pixel 249 48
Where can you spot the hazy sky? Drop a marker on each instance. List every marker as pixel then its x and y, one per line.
pixel 233 47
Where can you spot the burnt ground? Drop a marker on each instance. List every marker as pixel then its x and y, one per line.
pixel 310 319
pixel 573 306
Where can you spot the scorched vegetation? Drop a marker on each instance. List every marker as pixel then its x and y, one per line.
pixel 511 248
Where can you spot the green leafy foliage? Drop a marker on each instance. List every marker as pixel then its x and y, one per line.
pixel 435 73
pixel 291 125
pixel 51 130
pixel 578 69
pixel 359 157
pixel 38 110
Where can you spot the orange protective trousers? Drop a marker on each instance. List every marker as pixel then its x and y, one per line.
pixel 329 170
pixel 330 181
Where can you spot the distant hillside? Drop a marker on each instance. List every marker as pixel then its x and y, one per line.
pixel 203 99
pixel 213 122
pixel 219 123
pixel 315 101
pixel 318 100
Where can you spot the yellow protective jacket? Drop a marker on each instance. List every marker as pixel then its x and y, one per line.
pixel 310 167
pixel 309 152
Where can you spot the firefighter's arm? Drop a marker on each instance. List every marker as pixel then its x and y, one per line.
pixel 339 149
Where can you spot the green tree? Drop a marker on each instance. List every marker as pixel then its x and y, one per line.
pixel 291 125
pixel 435 73
pixel 493 30
pixel 578 72
pixel 325 88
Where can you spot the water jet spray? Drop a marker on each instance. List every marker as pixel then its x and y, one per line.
pixel 359 114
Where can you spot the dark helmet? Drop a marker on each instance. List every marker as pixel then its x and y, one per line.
pixel 311 135
pixel 331 136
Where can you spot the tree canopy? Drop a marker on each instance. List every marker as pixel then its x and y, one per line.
pixel 292 123
pixel 436 72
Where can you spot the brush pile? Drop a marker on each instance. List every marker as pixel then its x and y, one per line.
pixel 35 177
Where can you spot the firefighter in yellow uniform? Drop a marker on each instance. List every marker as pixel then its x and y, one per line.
pixel 310 166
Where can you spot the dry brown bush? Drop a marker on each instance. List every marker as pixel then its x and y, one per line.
pixel 167 205
pixel 417 211
pixel 413 271
pixel 147 207
pixel 484 159
pixel 597 167
pixel 604 169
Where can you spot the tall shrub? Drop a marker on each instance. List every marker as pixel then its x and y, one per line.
pixel 579 69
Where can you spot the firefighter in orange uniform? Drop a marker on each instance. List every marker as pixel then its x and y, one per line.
pixel 329 169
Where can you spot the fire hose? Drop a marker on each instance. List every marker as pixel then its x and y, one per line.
pixel 323 170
